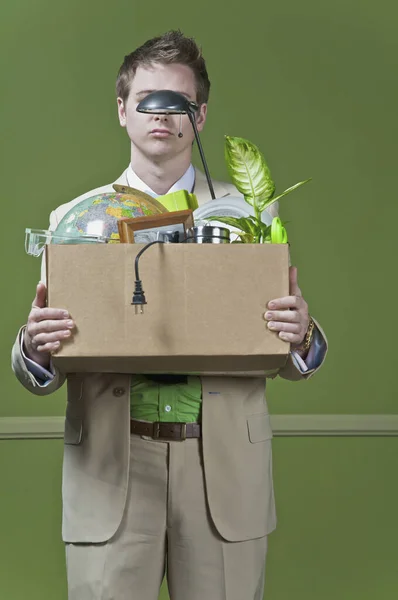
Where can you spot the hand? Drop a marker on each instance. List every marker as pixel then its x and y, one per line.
pixel 289 315
pixel 46 329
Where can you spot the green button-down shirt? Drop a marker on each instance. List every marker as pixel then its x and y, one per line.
pixel 165 402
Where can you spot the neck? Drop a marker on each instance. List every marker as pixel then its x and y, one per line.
pixel 160 175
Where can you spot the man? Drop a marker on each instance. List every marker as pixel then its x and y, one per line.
pixel 135 502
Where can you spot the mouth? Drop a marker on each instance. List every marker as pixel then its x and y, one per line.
pixel 161 133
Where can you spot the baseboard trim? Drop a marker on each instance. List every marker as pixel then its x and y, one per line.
pixel 22 428
pixel 17 428
pixel 335 425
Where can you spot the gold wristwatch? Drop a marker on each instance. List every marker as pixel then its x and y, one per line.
pixel 306 343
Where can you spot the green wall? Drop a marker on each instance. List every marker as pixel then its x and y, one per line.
pixel 314 85
pixel 336 537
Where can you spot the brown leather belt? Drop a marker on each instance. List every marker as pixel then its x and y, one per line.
pixel 166 431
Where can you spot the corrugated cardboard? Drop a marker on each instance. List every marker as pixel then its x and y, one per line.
pixel 204 312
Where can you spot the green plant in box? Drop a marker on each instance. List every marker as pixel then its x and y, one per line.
pixel 251 176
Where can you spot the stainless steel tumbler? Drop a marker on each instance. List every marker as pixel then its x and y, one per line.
pixel 206 234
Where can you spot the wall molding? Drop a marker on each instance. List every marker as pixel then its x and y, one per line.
pixel 335 425
pixel 22 428
pixel 25 428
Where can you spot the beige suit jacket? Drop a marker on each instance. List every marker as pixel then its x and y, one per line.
pixel 236 439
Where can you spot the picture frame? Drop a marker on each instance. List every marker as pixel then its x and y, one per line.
pixel 128 227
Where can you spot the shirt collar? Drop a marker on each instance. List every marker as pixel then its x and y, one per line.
pixel 186 182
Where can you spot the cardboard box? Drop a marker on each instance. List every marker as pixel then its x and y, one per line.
pixel 204 311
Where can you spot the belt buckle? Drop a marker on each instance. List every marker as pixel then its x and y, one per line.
pixel 156 432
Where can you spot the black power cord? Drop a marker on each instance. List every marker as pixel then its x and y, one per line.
pixel 139 299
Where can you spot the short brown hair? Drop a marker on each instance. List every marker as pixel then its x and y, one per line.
pixel 170 48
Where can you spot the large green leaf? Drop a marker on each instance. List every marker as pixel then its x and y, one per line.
pixel 249 171
pixel 294 187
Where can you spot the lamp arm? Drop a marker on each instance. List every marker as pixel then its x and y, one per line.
pixel 202 156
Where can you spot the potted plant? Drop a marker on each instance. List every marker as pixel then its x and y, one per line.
pixel 252 177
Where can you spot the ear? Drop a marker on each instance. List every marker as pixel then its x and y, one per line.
pixel 121 112
pixel 201 117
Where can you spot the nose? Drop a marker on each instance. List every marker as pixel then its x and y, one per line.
pixel 162 118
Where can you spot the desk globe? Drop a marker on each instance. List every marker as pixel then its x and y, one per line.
pixel 98 215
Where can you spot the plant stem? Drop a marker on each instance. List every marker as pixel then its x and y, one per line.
pixel 257 214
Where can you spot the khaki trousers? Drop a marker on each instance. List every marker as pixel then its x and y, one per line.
pixel 166 527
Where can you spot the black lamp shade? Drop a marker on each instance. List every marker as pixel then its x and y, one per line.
pixel 166 102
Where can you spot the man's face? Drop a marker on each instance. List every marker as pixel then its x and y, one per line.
pixel 156 136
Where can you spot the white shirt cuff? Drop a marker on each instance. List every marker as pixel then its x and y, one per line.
pixel 299 362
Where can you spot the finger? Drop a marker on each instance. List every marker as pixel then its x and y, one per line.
pixel 57 336
pixel 50 347
pixel 36 328
pixel 289 316
pixel 292 338
pixel 46 314
pixel 40 299
pixel 288 327
pixel 285 302
pixel 293 284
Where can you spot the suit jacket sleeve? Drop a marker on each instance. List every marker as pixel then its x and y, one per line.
pixel 27 379
pixel 319 347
